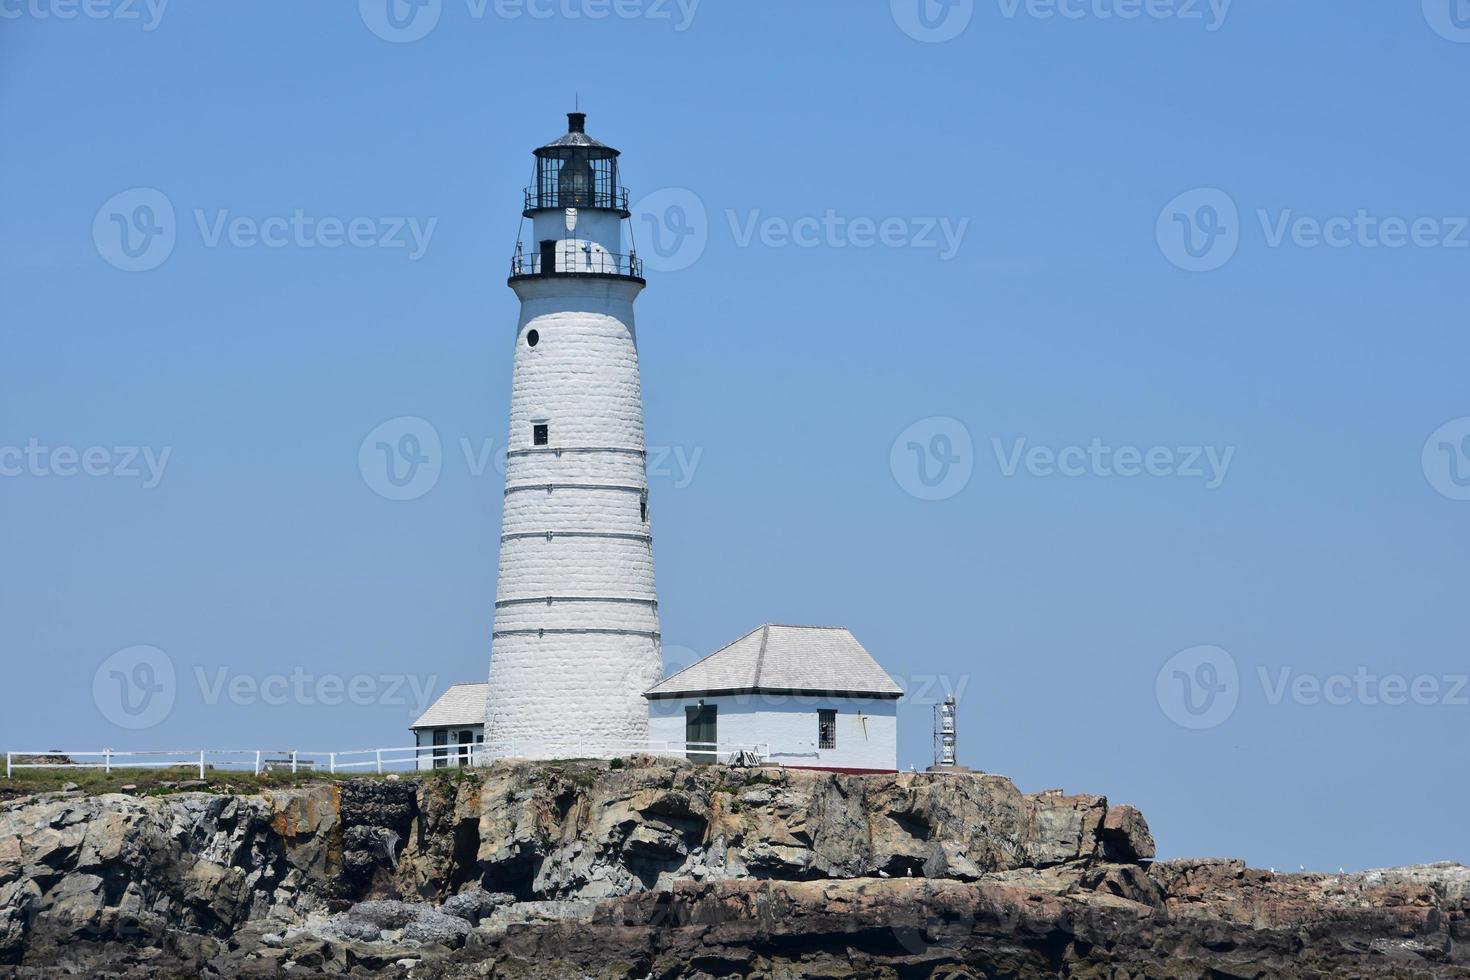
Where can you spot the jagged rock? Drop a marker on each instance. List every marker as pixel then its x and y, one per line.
pixel 947 860
pixel 353 929
pixel 549 870
pixel 386 915
pixel 437 928
pixel 1125 835
pixel 475 904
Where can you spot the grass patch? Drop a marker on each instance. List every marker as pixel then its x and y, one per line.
pixel 161 782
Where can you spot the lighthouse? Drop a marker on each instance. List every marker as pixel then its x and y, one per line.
pixel 576 637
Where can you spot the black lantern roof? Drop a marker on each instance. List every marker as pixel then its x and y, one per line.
pixel 576 139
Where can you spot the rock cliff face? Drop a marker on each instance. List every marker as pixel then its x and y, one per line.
pixel 554 870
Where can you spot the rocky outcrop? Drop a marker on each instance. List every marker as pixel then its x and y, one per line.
pixel 651 868
pixel 581 833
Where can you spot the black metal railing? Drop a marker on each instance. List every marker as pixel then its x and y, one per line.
pixel 612 198
pixel 575 263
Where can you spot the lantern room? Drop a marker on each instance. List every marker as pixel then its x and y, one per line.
pixel 576 171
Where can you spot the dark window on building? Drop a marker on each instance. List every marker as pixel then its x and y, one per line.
pixel 441 748
pixel 826 729
pixel 540 434
pixel 643 506
pixel 533 337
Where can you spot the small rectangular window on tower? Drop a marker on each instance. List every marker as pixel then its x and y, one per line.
pixel 540 433
pixel 826 729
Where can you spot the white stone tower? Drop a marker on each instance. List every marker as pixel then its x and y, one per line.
pixel 576 637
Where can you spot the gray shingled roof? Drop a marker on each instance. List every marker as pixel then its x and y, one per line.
pixel 462 704
pixel 785 659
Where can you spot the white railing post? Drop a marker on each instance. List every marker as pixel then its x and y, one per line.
pixel 201 763
pixel 257 762
pixel 380 762
pixel 332 762
pixel 107 761
pixel 8 757
pixel 293 762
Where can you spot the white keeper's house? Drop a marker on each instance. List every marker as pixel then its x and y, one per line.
pixel 809 696
pixel 454 727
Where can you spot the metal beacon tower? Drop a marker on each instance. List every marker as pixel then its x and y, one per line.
pixel 576 636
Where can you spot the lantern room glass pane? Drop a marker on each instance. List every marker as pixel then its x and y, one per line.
pixel 577 178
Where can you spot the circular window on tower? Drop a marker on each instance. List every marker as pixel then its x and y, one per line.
pixel 533 338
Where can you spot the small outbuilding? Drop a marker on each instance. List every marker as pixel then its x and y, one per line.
pixel 454 726
pixel 809 697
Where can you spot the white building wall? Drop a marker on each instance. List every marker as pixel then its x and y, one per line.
pixel 455 754
pixel 867 728
pixel 600 228
pixel 576 638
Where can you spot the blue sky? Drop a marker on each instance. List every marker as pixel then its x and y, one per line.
pixel 920 287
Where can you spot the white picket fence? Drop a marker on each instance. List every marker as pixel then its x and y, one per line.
pixel 411 758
